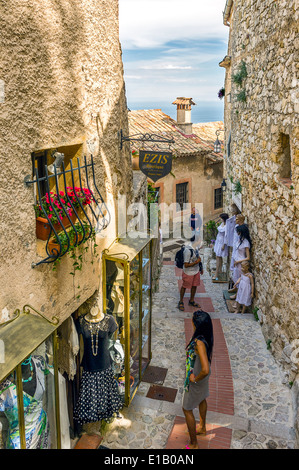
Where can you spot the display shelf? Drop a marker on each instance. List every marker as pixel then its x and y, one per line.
pixel 135 258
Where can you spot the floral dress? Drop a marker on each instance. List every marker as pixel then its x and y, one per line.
pixel 36 422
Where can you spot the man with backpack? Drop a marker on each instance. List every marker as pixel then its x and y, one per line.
pixel 189 260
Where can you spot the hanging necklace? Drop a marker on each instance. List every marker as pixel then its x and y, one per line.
pixel 94 329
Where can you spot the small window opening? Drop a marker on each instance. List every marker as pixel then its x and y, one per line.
pixel 286 160
pixel 182 194
pixel 218 198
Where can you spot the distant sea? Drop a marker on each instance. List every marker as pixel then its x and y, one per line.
pixel 201 112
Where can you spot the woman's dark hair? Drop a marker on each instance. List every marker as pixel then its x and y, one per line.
pixel 203 331
pixel 243 232
pixel 224 216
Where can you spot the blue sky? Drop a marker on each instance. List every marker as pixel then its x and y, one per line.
pixel 172 48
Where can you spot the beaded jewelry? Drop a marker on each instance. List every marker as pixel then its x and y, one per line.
pixel 94 330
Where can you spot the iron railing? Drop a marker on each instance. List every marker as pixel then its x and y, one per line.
pixel 95 222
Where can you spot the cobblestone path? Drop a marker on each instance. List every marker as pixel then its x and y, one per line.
pixel 249 405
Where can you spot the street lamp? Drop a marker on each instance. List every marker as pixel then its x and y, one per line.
pixel 217 144
pixel 223 185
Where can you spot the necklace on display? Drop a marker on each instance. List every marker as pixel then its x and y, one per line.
pixel 94 327
pixel 94 331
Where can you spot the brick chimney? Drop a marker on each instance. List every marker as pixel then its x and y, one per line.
pixel 184 114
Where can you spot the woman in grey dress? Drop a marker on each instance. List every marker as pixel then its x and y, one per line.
pixel 198 370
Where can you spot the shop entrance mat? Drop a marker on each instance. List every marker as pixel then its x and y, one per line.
pixel 221 278
pixel 154 375
pixel 157 392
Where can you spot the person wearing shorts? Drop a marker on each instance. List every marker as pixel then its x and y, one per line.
pixel 191 274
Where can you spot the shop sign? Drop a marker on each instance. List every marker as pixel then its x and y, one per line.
pixel 155 165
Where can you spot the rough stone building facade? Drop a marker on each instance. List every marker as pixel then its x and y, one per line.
pixel 262 158
pixel 62 88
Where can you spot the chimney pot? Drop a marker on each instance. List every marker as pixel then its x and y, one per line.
pixel 184 114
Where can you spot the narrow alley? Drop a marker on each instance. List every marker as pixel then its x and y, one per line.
pixel 249 407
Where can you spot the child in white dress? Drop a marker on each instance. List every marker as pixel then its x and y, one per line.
pixel 245 288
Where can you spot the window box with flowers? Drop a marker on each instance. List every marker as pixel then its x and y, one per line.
pixel 62 206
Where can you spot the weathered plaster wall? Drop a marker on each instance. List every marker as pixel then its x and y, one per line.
pixel 202 180
pixel 62 70
pixel 264 34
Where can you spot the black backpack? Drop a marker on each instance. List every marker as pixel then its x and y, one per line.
pixel 179 257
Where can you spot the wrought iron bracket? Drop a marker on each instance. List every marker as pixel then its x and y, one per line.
pixel 26 311
pixel 54 320
pixel 143 138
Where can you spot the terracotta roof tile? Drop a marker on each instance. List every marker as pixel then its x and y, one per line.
pixel 154 121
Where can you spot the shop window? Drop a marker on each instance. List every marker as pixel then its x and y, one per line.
pixel 127 296
pixel 182 194
pixel 28 398
pixel 285 159
pixel 218 198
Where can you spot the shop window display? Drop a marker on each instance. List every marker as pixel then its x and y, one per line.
pixel 99 397
pixel 127 297
pixel 38 392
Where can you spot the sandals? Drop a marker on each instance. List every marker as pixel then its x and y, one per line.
pixel 194 304
pixel 181 306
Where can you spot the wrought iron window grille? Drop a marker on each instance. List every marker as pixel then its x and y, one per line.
pixel 86 226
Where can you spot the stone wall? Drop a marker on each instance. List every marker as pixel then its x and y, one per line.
pixel 264 157
pixel 63 86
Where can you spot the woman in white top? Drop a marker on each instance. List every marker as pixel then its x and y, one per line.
pixel 242 252
pixel 220 248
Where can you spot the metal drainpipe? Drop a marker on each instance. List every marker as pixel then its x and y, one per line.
pixel 227 12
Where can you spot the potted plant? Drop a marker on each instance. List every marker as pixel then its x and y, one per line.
pixel 62 206
pixel 76 256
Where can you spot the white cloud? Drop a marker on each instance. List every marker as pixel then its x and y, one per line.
pixel 172 48
pixel 133 77
pixel 165 67
pixel 152 23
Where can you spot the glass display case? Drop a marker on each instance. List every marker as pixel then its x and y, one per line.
pixel 127 295
pixel 29 410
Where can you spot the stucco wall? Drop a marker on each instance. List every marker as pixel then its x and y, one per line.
pixel 202 180
pixel 63 76
pixel 264 34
